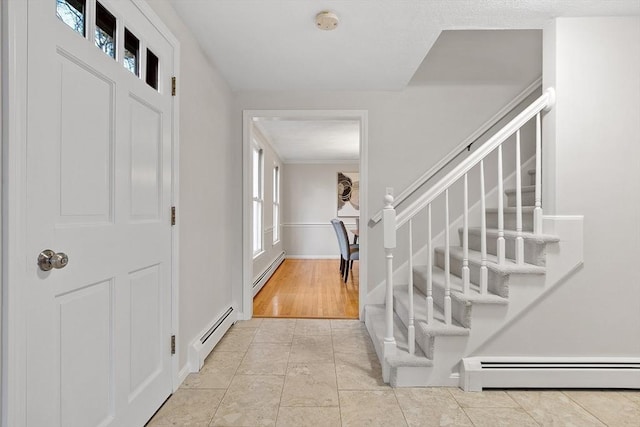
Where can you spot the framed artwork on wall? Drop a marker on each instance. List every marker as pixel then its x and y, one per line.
pixel 348 194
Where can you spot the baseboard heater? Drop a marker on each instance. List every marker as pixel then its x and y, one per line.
pixel 479 373
pixel 267 273
pixel 201 347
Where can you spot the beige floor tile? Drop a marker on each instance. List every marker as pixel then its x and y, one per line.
pixel 237 340
pixel 370 408
pixel 633 395
pixel 485 399
pixel 357 371
pixel 430 407
pixel 312 348
pixel 328 416
pixel 278 323
pixel 342 324
pixel 193 408
pixel 251 400
pixel 313 327
pixel 500 417
pixel 608 406
pixel 276 331
pixel 310 384
pixel 254 322
pixel 265 359
pixel 346 341
pixel 217 372
pixel 553 408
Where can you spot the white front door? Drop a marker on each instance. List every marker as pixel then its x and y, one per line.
pixel 98 188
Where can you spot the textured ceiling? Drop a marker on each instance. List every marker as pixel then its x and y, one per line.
pixel 317 141
pixel 379 44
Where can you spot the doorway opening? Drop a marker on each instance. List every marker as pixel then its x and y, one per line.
pixel 291 257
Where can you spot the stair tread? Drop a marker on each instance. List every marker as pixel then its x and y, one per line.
pixel 508 267
pixel 525 189
pixel 512 234
pixel 438 327
pixel 402 358
pixel 474 296
pixel 531 171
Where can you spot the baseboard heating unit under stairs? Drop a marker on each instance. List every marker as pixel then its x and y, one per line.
pixel 478 373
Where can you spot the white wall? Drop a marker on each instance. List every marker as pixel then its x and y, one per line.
pixel 271 250
pixel 591 168
pixel 409 131
pixel 210 188
pixel 310 194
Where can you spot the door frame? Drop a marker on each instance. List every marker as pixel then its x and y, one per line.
pixel 14 17
pixel 244 293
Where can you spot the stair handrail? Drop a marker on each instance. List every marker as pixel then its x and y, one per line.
pixel 544 102
pixel 462 147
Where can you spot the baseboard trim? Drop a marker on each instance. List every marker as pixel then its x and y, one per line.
pixel 478 373
pixel 267 273
pixel 182 375
pixel 209 337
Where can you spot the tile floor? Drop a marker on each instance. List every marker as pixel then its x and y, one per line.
pixel 288 372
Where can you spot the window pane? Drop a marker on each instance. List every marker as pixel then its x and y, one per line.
pixel 276 224
pixel 72 13
pixel 152 70
pixel 257 227
pixel 276 179
pixel 105 31
pixel 131 52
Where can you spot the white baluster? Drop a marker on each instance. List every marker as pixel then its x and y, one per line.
pixel 519 238
pixel 429 269
pixel 465 239
pixel 447 268
pixel 389 229
pixel 484 273
pixel 500 243
pixel 411 328
pixel 537 212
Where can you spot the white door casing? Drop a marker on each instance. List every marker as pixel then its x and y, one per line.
pixel 97 170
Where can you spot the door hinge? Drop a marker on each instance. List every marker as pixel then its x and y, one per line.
pixel 173 86
pixel 173 344
pixel 173 215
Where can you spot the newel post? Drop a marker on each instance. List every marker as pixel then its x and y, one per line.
pixel 389 225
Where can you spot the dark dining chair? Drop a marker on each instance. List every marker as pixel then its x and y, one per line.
pixel 348 253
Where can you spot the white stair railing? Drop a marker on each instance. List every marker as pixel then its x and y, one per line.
pixel 392 222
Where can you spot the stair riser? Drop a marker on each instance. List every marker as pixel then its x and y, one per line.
pixel 460 311
pixel 497 284
pixel 423 341
pixel 534 253
pixel 510 220
pixel 528 198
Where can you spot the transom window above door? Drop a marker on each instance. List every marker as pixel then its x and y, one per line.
pixel 93 21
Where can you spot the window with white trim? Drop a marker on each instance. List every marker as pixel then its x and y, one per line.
pixel 276 204
pixel 258 200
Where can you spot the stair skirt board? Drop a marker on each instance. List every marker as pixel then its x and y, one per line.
pixel 479 373
pixel 201 347
pixel 267 273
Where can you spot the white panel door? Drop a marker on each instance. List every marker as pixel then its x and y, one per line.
pixel 98 170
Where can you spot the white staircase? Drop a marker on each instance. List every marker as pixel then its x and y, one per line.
pixel 460 296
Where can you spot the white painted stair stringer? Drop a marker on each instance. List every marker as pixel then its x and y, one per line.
pixel 489 320
pixel 562 260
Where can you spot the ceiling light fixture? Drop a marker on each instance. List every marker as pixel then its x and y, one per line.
pixel 327 20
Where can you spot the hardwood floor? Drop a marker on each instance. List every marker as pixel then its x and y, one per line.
pixel 309 289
